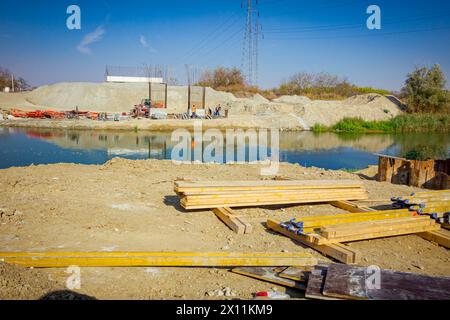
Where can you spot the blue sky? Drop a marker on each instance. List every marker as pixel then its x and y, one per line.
pixel 299 35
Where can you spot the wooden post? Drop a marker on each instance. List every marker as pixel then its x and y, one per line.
pixel 204 98
pixel 165 96
pixel 150 90
pixel 189 99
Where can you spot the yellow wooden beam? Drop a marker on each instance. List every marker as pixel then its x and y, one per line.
pixel 236 223
pixel 441 237
pixel 156 259
pixel 337 251
pixel 320 240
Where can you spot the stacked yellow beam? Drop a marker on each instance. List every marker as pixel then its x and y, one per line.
pixel 435 203
pixel 374 229
pixel 218 194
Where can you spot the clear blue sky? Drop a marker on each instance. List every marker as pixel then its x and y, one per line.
pixel 299 35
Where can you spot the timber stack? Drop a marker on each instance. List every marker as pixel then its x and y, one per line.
pixel 435 204
pixel 220 194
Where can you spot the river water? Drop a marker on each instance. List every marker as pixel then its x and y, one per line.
pixel 23 147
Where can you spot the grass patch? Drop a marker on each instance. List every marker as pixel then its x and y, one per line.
pixel 420 122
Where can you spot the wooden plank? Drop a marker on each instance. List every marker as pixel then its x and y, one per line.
pixel 236 223
pixel 441 237
pixel 340 219
pixel 156 259
pixel 270 193
pixel 245 197
pixel 231 221
pixel 316 283
pixel 300 274
pixel 264 201
pixel 349 282
pixel 336 251
pixel 350 206
pixel 333 231
pixel 206 186
pixel 319 240
pixel 269 275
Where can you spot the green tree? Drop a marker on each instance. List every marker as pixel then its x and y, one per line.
pixel 425 90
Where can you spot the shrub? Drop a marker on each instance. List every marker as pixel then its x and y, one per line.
pixel 425 90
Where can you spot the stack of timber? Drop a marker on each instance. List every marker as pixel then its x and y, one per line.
pixel 220 194
pixel 327 234
pixel 432 203
pixel 340 281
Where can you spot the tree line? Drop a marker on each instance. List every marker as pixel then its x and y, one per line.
pixel 424 89
pixel 6 80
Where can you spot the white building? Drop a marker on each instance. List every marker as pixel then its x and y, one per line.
pixel 126 79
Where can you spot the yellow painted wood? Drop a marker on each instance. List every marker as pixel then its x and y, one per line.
pixel 242 196
pixel 264 201
pixel 157 259
pixel 441 237
pixel 336 251
pixel 229 220
pixel 319 240
pixel 320 221
pixel 353 229
pixel 212 186
pixel 349 206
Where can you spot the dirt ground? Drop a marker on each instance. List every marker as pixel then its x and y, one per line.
pixel 129 205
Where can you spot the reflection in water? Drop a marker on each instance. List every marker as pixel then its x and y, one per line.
pixel 20 147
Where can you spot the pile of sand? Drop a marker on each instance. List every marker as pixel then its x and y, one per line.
pixel 119 97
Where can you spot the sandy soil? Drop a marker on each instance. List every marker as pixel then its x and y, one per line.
pixel 130 205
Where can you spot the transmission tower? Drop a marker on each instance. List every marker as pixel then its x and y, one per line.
pixel 250 45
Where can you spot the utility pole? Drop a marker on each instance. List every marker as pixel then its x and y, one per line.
pixel 12 82
pixel 250 53
pixel 188 75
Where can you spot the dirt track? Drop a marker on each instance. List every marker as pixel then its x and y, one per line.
pixel 130 205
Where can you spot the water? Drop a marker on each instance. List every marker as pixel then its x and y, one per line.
pixel 23 147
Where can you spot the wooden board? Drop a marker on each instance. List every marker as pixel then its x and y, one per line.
pixel 359 228
pixel 296 274
pixel 350 206
pixel 349 282
pixel 311 223
pixel 156 259
pixel 319 240
pixel 300 274
pixel 264 201
pixel 270 275
pixel 233 221
pixel 441 237
pixel 316 283
pixel 336 251
pixel 212 186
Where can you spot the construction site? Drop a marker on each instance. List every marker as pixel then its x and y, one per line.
pixel 108 191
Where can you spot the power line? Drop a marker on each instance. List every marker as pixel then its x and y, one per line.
pixel 224 31
pixel 363 35
pixel 352 26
